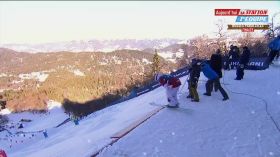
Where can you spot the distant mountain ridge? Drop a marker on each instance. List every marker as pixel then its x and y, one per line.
pixel 94 45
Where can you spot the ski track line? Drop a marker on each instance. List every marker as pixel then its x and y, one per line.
pixel 117 136
pixel 262 101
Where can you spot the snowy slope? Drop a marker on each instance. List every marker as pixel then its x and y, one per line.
pixel 90 135
pixel 235 128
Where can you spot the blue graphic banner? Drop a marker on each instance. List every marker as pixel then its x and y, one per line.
pixel 254 64
pixel 252 19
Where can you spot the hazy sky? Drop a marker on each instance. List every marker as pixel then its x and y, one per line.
pixel 50 21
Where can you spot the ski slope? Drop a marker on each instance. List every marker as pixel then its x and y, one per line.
pixel 240 127
pixel 236 128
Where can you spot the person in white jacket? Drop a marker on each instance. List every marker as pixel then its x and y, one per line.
pixel 172 85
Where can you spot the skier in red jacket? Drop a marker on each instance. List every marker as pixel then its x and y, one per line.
pixel 2 153
pixel 172 85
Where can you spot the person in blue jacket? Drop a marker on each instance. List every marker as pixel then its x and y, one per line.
pixel 274 46
pixel 213 78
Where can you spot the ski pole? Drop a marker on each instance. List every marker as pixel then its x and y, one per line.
pixel 184 83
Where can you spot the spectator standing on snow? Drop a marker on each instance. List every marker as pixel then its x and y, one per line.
pixel 217 65
pixel 194 72
pixel 213 78
pixel 230 53
pixel 216 62
pixel 274 46
pixel 233 55
pixel 244 60
pixel 172 85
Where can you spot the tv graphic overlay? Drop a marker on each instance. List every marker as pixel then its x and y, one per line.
pixel 252 19
pixel 258 19
pixel 248 28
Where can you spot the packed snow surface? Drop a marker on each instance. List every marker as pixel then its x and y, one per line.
pixel 239 127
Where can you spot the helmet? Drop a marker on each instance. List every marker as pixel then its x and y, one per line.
pixel 194 61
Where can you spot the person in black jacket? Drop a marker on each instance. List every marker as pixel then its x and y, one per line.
pixel 216 64
pixel 233 55
pixel 194 72
pixel 243 61
pixel 229 58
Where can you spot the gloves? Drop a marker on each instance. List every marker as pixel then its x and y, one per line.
pixel 241 66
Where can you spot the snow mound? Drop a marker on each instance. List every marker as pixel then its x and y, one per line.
pixel 3 75
pixel 146 61
pixel 77 72
pixel 51 104
pixel 40 76
pixel 5 111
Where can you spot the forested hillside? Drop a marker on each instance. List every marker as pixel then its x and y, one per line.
pixel 75 76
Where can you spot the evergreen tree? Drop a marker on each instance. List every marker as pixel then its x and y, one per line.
pixel 156 62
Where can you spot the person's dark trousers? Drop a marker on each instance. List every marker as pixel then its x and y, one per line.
pixel 190 91
pixel 214 87
pixel 239 73
pixel 230 66
pixel 209 86
pixel 277 55
pixel 272 55
pixel 216 82
pixel 227 64
pixel 193 91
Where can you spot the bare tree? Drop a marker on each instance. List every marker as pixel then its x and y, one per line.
pixel 220 33
pixel 245 39
pixel 274 26
pixel 201 48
